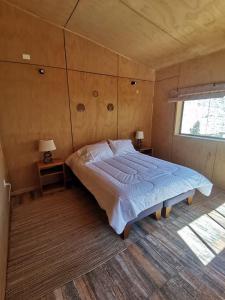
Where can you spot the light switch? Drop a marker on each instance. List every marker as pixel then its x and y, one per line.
pixel 26 56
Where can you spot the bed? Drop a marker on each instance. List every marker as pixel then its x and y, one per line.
pixel 131 185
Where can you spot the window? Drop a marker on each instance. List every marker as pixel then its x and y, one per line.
pixel 205 117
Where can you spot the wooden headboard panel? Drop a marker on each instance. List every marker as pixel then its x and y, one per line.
pixel 96 122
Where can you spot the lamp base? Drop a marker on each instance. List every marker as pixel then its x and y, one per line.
pixel 47 157
pixel 139 144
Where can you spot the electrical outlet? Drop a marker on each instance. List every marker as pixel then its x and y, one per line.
pixel 26 56
pixel 5 185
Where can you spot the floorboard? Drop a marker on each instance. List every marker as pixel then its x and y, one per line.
pixel 62 248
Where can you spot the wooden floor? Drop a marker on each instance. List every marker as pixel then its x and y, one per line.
pixel 182 257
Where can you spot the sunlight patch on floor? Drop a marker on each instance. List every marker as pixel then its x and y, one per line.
pixel 196 245
pixel 210 232
pixel 221 209
pixel 205 236
pixel 220 219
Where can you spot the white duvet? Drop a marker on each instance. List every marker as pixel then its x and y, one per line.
pixel 126 185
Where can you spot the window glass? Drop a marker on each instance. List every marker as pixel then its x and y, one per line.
pixel 205 117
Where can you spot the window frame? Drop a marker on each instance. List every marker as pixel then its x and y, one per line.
pixel 179 116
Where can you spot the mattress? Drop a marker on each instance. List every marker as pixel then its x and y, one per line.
pixel 126 185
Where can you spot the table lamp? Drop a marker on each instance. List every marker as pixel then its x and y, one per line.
pixel 47 146
pixel 139 137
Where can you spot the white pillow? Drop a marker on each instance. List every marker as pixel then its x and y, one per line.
pixel 73 157
pixel 120 147
pixel 95 152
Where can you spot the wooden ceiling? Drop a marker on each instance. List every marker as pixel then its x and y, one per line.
pixel 157 33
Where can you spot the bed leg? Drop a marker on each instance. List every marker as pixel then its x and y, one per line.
pixel 189 200
pixel 126 231
pixel 166 212
pixel 157 214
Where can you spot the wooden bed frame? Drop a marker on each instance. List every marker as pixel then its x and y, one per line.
pixel 164 207
pixel 154 210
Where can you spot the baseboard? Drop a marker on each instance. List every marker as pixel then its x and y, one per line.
pixel 25 190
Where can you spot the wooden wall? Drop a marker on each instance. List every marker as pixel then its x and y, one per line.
pixel 34 106
pixel 96 122
pixel 4 225
pixel 204 155
pixel 134 108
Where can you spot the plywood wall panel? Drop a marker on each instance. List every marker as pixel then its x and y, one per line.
pixel 83 55
pixel 129 68
pixel 56 11
pixel 219 166
pixel 198 154
pixel 135 108
pixel 169 72
pixel 96 123
pixel 205 69
pixel 197 24
pixel 156 33
pixel 22 33
pixel 125 32
pixel 205 155
pixel 32 107
pixel 4 224
pixel 163 119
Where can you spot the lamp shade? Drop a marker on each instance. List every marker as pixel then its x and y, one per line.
pixel 139 135
pixel 46 145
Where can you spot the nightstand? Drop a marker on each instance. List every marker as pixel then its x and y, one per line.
pixel 51 176
pixel 146 150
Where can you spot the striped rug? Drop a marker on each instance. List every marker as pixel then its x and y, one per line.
pixel 54 239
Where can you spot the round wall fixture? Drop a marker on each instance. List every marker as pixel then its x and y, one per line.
pixel 41 71
pixel 110 107
pixel 95 93
pixel 80 107
pixel 133 82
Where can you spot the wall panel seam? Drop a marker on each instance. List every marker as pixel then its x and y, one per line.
pixel 31 64
pixel 153 99
pixel 104 74
pixel 68 91
pixel 166 78
pixel 153 23
pixel 174 127
pixel 71 14
pixel 76 70
pixel 117 82
pixel 214 161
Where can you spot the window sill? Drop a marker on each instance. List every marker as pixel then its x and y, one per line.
pixel 212 139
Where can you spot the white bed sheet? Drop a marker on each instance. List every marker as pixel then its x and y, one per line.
pixel 126 185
